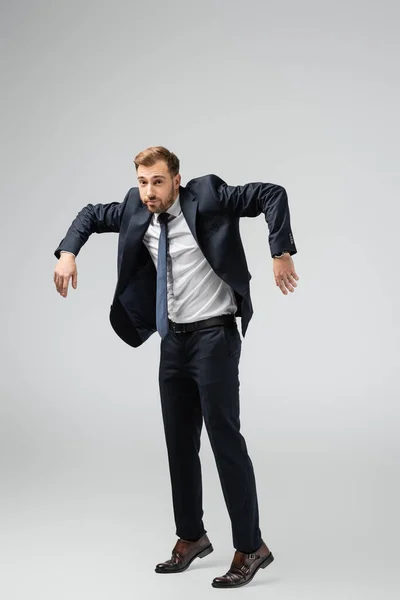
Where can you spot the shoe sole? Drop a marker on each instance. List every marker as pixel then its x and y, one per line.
pixel 267 561
pixel 201 554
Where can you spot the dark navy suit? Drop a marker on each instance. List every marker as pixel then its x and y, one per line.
pixel 199 370
pixel 212 210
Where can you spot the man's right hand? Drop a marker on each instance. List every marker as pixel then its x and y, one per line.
pixel 64 271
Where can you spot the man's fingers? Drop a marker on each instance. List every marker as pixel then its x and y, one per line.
pixel 281 284
pixel 62 275
pixel 287 284
pixel 286 281
pixel 57 282
pixel 285 276
pixel 64 287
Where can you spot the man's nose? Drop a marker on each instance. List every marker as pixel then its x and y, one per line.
pixel 149 191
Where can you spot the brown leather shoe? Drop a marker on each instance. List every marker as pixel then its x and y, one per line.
pixel 244 567
pixel 184 553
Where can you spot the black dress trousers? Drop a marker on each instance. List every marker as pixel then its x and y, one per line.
pixel 199 379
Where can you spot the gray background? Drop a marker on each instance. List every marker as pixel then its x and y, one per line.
pixel 304 94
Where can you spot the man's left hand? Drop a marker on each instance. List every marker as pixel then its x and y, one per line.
pixel 285 273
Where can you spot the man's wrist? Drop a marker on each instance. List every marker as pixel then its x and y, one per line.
pixel 281 255
pixel 67 252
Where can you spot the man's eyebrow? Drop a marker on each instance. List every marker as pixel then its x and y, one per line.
pixel 154 177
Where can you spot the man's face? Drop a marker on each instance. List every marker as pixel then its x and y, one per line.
pixel 158 189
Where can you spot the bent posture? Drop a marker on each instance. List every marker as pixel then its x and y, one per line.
pixel 182 271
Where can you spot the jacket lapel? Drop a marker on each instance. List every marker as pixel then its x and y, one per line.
pixel 189 205
pixel 137 227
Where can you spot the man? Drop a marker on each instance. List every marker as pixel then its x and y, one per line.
pixel 182 272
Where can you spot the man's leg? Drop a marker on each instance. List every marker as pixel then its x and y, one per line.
pixel 214 363
pixel 182 417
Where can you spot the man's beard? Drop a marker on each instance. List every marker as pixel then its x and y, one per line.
pixel 165 205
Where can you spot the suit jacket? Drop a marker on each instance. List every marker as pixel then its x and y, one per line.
pixel 212 210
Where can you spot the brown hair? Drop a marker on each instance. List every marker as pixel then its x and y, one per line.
pixel 151 155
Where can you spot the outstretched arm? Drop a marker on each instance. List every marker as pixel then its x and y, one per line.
pixel 93 218
pixel 252 199
pixel 97 218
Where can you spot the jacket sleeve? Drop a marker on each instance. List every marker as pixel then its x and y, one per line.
pixel 252 199
pixel 93 218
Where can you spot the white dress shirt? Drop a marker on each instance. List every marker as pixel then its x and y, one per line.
pixel 195 292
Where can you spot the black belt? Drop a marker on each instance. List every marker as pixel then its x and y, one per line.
pixel 211 322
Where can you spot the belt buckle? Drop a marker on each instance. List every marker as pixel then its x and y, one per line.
pixel 178 327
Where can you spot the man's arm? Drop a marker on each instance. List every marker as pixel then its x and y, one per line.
pixel 98 218
pixel 252 199
pixel 93 218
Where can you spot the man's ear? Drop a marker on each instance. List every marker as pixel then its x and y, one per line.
pixel 178 181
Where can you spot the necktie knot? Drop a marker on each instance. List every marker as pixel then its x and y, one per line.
pixel 163 217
